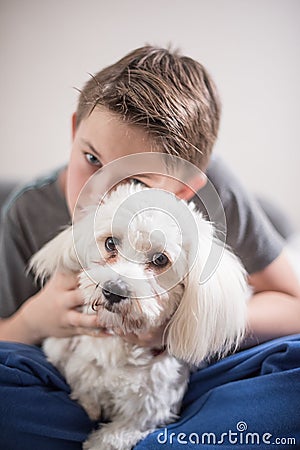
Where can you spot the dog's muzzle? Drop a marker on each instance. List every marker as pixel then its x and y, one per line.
pixel 115 291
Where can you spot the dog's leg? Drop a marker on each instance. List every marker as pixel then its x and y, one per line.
pixel 86 387
pixel 83 376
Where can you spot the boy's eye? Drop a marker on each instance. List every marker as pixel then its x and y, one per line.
pixel 91 159
pixel 136 181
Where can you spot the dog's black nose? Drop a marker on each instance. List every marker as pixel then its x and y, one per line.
pixel 115 291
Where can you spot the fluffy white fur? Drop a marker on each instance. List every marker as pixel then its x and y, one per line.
pixel 130 388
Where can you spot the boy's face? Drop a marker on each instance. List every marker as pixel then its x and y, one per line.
pixel 101 138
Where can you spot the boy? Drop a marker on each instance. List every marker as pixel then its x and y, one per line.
pixel 151 100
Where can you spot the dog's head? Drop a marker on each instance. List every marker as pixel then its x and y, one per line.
pixel 141 255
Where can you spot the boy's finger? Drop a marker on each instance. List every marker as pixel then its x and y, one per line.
pixel 67 281
pixel 96 332
pixel 77 319
pixel 73 299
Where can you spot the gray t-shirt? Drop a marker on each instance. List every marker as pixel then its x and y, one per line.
pixel 37 212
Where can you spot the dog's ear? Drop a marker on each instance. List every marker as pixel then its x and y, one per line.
pixel 68 251
pixel 59 253
pixel 211 317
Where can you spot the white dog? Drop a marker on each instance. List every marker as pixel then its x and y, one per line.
pixel 140 267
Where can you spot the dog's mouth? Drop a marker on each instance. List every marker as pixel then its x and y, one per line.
pixel 122 311
pixel 111 305
pixel 125 314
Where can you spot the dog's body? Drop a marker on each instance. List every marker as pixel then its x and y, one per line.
pixel 142 273
pixel 130 386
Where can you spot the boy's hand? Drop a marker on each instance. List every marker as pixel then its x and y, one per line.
pixel 53 311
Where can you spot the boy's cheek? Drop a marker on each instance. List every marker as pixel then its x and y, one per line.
pixel 76 179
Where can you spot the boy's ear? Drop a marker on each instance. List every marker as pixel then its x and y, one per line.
pixel 187 191
pixel 74 121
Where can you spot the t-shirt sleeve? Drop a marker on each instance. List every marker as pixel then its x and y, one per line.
pixel 32 215
pixel 249 232
pixel 16 285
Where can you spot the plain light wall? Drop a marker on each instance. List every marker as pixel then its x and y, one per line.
pixel 251 48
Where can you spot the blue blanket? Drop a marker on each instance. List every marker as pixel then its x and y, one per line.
pixel 248 400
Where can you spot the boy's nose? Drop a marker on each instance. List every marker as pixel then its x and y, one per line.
pixel 115 291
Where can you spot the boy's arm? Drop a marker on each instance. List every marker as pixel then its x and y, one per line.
pixel 274 309
pixel 28 314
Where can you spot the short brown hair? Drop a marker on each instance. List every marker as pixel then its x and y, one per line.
pixel 171 96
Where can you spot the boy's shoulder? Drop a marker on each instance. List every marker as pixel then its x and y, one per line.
pixel 249 232
pixel 37 206
pixel 39 188
pixel 224 180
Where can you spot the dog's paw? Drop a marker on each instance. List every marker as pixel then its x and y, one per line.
pixel 108 439
pixel 92 444
pixel 95 442
pixel 92 408
pixel 94 413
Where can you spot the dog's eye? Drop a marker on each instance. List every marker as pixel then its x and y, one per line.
pixel 160 259
pixel 111 243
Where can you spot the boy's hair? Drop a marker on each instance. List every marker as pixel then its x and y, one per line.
pixel 172 97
